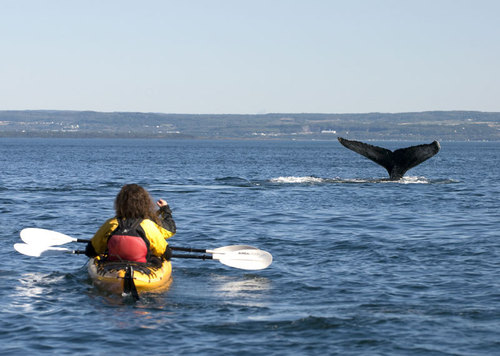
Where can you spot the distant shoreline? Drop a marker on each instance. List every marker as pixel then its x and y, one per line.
pixel 223 139
pixel 459 126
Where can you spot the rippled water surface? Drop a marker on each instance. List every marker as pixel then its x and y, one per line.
pixel 361 265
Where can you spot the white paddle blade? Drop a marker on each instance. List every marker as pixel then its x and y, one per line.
pixel 37 250
pixel 249 259
pixel 43 237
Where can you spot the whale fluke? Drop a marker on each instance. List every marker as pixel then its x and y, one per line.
pixel 396 162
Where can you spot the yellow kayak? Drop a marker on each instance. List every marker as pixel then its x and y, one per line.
pixel 111 275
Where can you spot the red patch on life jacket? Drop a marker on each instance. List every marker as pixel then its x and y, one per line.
pixel 127 248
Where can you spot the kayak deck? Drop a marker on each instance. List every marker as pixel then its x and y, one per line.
pixel 109 275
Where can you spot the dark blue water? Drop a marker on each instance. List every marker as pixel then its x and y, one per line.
pixel 362 266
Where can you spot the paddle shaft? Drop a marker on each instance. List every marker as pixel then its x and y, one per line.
pixel 187 249
pixel 184 249
pixel 201 257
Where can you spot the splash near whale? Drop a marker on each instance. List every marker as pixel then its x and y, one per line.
pixel 397 162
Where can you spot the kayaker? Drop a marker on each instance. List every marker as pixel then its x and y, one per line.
pixel 137 232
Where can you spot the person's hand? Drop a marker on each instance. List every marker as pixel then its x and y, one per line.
pixel 161 203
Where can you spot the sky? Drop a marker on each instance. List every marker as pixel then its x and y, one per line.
pixel 250 56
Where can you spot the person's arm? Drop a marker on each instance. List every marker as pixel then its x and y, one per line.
pixel 156 236
pixel 165 214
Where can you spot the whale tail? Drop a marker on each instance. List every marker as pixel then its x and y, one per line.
pixel 396 162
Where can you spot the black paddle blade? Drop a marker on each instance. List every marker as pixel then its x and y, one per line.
pixel 129 284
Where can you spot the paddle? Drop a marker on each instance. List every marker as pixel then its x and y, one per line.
pixel 43 237
pixel 237 256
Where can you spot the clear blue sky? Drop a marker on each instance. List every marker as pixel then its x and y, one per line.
pixel 250 56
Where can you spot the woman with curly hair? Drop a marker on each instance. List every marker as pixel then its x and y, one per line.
pixel 137 232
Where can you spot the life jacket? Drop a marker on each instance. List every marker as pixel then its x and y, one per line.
pixel 128 242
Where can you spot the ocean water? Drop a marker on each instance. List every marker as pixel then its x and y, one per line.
pixel 362 265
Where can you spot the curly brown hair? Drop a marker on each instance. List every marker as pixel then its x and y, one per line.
pixel 134 202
